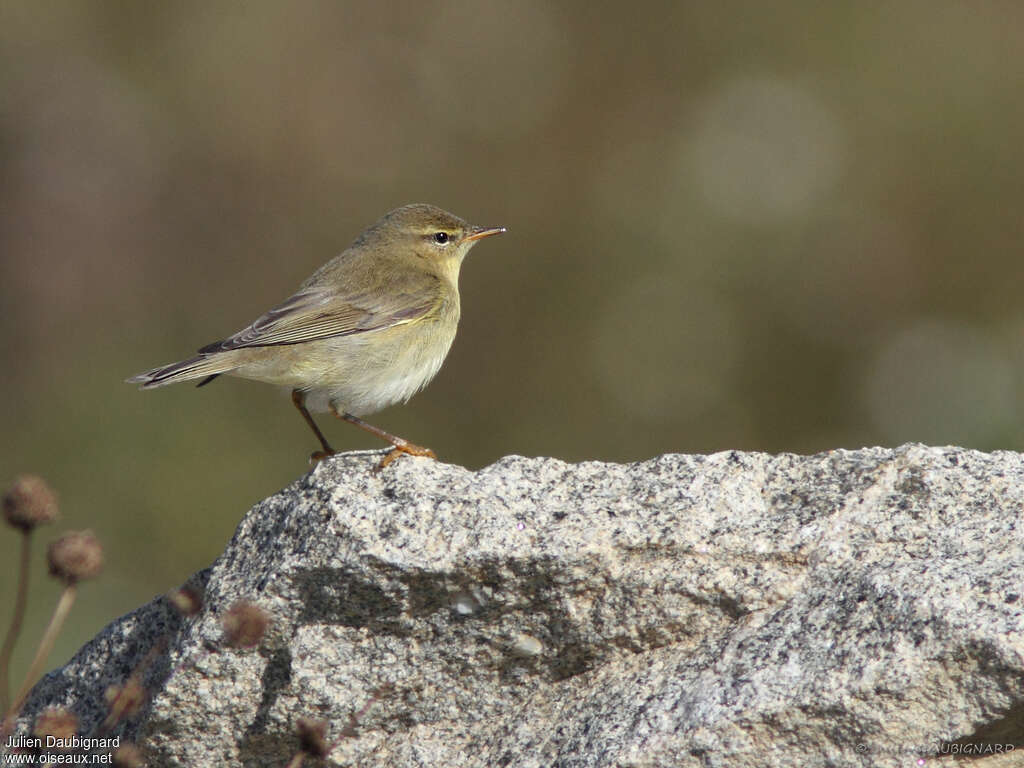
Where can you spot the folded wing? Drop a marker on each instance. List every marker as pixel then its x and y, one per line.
pixel 315 313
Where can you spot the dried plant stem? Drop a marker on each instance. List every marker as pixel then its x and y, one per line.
pixel 117 706
pixel 349 731
pixel 296 761
pixel 60 613
pixel 20 601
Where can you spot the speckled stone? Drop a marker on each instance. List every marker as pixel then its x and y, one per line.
pixel 849 608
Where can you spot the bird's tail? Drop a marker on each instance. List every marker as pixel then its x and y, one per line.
pixel 206 367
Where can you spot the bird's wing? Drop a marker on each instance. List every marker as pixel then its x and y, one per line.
pixel 316 313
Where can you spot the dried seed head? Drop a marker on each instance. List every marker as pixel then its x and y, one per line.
pixel 244 625
pixel 313 736
pixel 30 502
pixel 57 722
pixel 75 556
pixel 124 701
pixel 186 601
pixel 128 756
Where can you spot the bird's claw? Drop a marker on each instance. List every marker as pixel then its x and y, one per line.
pixel 404 447
pixel 317 456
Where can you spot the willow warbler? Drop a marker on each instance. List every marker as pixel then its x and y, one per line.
pixel 369 329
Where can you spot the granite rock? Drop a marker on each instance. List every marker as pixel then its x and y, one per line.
pixel 851 608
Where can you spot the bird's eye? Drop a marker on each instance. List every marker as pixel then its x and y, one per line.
pixel 441 238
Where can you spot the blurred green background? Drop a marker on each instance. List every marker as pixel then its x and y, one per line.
pixel 787 226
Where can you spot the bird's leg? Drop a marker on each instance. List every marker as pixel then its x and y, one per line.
pixel 299 399
pixel 401 445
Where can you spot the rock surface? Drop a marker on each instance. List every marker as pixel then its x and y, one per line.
pixel 849 608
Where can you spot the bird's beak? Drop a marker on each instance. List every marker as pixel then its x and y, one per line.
pixel 479 233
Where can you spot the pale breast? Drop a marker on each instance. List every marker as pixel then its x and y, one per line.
pixel 373 371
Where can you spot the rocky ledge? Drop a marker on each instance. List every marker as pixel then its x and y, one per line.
pixel 850 608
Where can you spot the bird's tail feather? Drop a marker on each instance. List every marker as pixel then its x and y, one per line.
pixel 199 367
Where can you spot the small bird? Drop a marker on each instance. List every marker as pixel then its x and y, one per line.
pixel 369 329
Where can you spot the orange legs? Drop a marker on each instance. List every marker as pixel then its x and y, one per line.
pixel 299 399
pixel 400 444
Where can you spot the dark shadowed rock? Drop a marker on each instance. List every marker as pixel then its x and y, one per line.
pixel 849 608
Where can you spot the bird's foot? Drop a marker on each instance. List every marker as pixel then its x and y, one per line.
pixel 317 456
pixel 404 446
